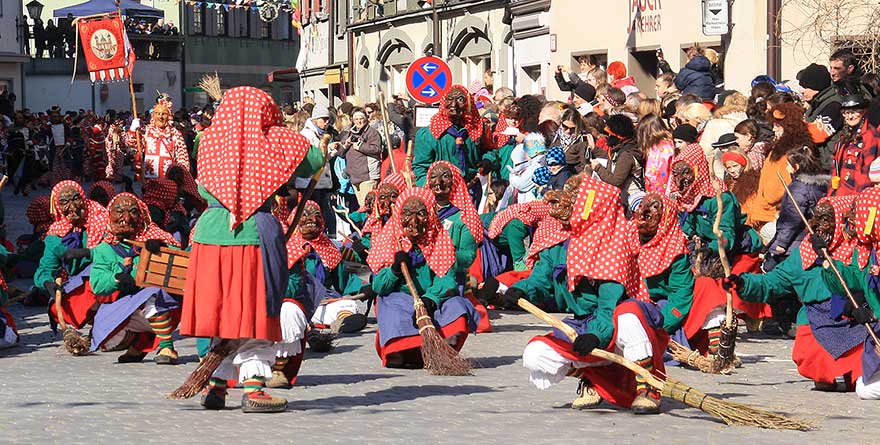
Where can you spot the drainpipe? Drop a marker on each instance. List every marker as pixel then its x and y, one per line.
pixel 435 19
pixel 774 27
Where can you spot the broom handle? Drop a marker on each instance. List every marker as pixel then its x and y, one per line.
pixel 3 181
pixel 722 249
pixel 600 353
pixel 345 215
pixel 409 282
pixel 354 297
pixel 385 120
pixel 828 258
pixel 313 182
pixel 58 311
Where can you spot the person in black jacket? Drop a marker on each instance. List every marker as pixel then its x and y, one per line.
pixel 824 114
pixel 696 78
pixel 569 82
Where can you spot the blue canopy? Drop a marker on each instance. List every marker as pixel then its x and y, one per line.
pixel 129 9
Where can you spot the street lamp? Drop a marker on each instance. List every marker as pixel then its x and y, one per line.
pixel 35 9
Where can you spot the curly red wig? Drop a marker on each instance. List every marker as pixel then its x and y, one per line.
pixel 790 116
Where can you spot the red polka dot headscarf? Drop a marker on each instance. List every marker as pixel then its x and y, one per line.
pixel 841 247
pixel 702 187
pixel 298 247
pixel 460 198
pixel 435 245
pixel 247 154
pixel 38 214
pixel 601 246
pixel 867 226
pixel 94 214
pixel 529 213
pixel 669 243
pixel 149 230
pixel 440 122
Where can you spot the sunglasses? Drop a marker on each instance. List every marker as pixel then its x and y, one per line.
pixel 569 128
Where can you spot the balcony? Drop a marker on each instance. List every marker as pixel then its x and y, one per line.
pixel 146 47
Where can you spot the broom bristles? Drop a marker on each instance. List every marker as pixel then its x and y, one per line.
pixel 732 413
pixel 75 343
pixel 693 359
pixel 199 378
pixel 210 83
pixel 439 358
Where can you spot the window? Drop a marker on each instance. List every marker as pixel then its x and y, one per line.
pixel 221 21
pixel 265 30
pixel 198 15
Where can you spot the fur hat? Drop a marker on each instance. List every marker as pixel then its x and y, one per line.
pixel 815 77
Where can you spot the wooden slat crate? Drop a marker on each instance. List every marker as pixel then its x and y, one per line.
pixel 166 269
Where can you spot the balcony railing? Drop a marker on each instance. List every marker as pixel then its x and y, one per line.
pixel 146 47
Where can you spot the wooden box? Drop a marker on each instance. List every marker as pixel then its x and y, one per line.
pixel 166 269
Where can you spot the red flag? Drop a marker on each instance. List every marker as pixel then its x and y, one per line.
pixel 108 54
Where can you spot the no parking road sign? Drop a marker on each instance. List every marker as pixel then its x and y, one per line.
pixel 428 79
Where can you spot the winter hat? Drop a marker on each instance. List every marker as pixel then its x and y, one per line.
pixel 585 91
pixel 739 158
pixel 874 171
pixel 726 140
pixel 320 111
pixel 685 132
pixel 814 77
pixel 620 126
pixel 534 144
pixel 555 156
pixel 541 176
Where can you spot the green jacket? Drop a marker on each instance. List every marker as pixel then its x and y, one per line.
pixel 337 278
pixel 676 286
pixel 789 277
pixel 429 150
pixel 501 158
pixel 464 243
pixel 856 280
pixel 106 263
pixel 700 222
pixel 540 287
pixel 50 264
pixel 514 238
pixel 428 284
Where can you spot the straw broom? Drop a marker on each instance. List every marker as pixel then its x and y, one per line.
pixel 693 359
pixel 75 343
pixel 439 358
pixel 199 378
pixel 830 261
pixel 728 412
pixel 210 83
pixel 725 357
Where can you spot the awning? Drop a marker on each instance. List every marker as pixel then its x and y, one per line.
pixel 332 75
pixel 129 8
pixel 285 75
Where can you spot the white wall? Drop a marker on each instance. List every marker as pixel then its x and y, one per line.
pixel 46 91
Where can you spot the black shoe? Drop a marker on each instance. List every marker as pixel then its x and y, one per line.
pixel 214 399
pixel 349 324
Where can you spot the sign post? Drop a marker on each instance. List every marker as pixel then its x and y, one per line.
pixel 428 79
pixel 716 17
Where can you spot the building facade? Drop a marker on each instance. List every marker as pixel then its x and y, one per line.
pixel 530 24
pixel 12 48
pixel 378 39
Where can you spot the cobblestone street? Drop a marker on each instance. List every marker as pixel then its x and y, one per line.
pixel 50 396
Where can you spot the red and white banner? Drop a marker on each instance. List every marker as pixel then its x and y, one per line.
pixel 109 55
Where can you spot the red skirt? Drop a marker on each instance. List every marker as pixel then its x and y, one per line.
pixel 484 326
pixel 615 383
pixel 749 263
pixel 225 294
pixel 512 277
pixel 708 295
pixel 459 326
pixel 76 306
pixel 816 364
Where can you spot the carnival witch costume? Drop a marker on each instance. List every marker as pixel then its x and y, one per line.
pixel 414 238
pixel 692 307
pixel 828 346
pixel 140 318
pixel 237 275
pixel 79 226
pixel 611 308
pixel 454 135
